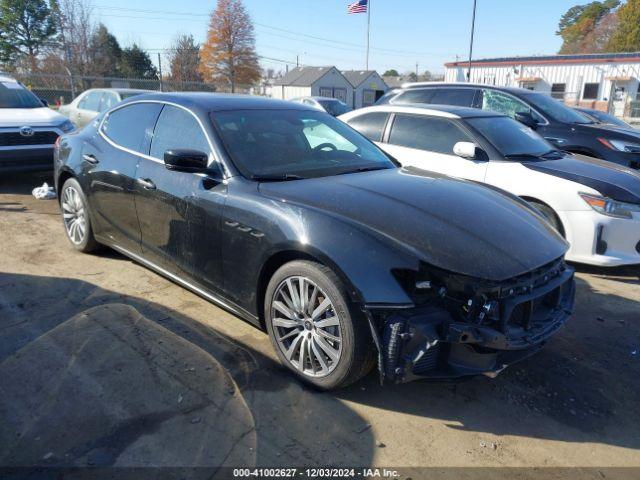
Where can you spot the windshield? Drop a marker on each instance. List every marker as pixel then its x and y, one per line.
pixel 510 137
pixel 14 95
pixel 555 109
pixel 606 118
pixel 334 107
pixel 273 144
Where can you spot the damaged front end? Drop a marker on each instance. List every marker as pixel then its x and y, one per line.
pixel 463 326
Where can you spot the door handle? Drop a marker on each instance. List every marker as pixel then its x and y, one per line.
pixel 90 159
pixel 147 184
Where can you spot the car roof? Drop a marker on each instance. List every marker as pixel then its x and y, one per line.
pixel 204 101
pixel 121 90
pixel 515 90
pixel 6 78
pixel 447 111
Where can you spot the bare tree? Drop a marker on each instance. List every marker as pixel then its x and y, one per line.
pixel 184 60
pixel 76 25
pixel 228 57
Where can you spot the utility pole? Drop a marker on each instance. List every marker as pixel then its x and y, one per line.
pixel 297 61
pixel 368 32
pixel 473 27
pixel 160 70
pixel 416 71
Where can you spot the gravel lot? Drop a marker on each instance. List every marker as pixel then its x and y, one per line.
pixel 103 363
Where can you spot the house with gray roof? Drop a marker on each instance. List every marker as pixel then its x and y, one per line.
pixel 313 82
pixel 368 87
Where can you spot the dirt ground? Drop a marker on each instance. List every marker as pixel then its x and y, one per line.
pixel 105 363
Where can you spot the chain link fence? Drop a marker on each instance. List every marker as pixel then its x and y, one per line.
pixel 62 89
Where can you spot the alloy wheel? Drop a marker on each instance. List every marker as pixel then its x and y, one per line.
pixel 74 215
pixel 306 326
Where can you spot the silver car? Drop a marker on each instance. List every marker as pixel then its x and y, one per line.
pixel 86 106
pixel 332 106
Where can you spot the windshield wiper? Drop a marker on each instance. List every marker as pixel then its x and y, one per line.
pixel 362 169
pixel 285 177
pixel 551 154
pixel 521 155
pixel 554 153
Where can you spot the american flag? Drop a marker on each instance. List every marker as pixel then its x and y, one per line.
pixel 358 7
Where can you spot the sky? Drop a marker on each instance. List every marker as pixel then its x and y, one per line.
pixel 320 32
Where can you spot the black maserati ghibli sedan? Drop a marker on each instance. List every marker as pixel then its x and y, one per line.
pixel 293 221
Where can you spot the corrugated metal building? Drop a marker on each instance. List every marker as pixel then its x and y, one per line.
pixel 608 82
pixel 313 82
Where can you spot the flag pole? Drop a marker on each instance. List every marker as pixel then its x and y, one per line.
pixel 368 32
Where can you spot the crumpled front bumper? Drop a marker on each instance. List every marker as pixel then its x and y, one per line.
pixel 428 342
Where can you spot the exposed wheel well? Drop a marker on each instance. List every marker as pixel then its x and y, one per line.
pixel 63 177
pixel 278 260
pixel 535 200
pixel 270 267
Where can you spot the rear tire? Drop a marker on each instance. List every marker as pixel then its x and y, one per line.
pixel 76 218
pixel 313 327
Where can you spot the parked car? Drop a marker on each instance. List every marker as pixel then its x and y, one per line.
pixel 603 117
pixel 295 222
pixel 28 129
pixel 563 126
pixel 594 204
pixel 332 106
pixel 86 106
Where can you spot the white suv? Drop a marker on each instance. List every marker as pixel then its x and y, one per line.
pixel 28 129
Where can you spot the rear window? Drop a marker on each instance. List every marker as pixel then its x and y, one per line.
pixel 458 97
pixel 371 125
pixel 426 133
pixel 14 95
pixel 132 126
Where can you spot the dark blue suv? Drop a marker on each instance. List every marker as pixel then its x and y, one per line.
pixel 566 128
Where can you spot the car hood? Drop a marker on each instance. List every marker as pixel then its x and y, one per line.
pixel 456 225
pixel 611 180
pixel 614 131
pixel 29 117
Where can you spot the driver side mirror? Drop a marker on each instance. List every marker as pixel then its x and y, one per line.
pixel 184 160
pixel 468 150
pixel 527 119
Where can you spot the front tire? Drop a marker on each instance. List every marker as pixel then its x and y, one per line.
pixel 75 217
pixel 313 327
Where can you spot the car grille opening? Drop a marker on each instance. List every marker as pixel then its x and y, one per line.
pixel 14 139
pixel 428 361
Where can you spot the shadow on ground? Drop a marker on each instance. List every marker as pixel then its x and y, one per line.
pixel 91 377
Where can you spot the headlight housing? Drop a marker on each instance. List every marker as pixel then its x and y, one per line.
pixel 67 126
pixel 621 145
pixel 609 207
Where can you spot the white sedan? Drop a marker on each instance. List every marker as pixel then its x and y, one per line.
pixel 593 203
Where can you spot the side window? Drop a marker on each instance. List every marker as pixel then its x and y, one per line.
pixel 426 133
pixel 371 125
pixel 91 101
pixel 109 99
pixel 131 126
pixel 415 96
pixel 459 97
pixel 496 101
pixel 177 128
